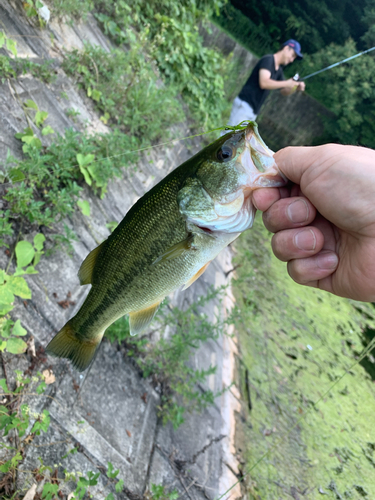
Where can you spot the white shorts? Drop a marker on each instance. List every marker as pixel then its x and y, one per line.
pixel 241 110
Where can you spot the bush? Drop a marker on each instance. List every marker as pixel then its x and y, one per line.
pixel 125 88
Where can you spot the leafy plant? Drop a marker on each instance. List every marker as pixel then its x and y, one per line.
pixel 39 116
pixel 72 113
pixel 125 88
pixel 6 69
pixel 19 420
pixel 167 360
pixel 8 43
pixel 174 43
pixel 16 285
pixel 158 493
pixel 71 8
pixel 32 10
pixel 348 91
pixel 44 71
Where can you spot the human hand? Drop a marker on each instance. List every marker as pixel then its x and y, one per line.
pixel 291 84
pixel 301 86
pixel 325 222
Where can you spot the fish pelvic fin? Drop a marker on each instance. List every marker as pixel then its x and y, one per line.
pixel 66 344
pixel 87 266
pixel 196 275
pixel 139 320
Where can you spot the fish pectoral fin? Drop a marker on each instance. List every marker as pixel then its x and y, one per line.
pixel 176 250
pixel 196 275
pixel 87 266
pixel 139 320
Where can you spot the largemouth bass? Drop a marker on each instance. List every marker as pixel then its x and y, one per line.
pixel 168 238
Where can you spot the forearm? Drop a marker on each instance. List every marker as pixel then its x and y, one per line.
pixel 272 84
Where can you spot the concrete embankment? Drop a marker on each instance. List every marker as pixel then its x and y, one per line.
pixel 110 412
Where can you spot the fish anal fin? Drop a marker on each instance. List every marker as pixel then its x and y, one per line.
pixel 196 275
pixel 66 344
pixel 176 250
pixel 87 266
pixel 139 320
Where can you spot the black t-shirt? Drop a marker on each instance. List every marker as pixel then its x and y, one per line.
pixel 251 92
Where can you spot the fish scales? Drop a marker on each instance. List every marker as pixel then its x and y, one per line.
pixel 167 238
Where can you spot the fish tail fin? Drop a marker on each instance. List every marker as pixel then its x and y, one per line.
pixel 66 344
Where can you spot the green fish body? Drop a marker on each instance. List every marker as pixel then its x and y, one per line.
pixel 168 238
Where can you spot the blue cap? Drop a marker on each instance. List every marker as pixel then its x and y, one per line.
pixel 296 46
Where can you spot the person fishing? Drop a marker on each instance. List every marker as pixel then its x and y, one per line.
pixel 267 75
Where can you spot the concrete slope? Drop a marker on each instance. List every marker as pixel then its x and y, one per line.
pixel 110 411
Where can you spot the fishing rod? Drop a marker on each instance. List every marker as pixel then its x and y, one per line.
pixel 297 78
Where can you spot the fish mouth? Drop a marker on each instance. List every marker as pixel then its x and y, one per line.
pixel 258 162
pixel 233 212
pixel 236 212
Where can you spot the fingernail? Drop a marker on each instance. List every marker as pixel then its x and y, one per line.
pixel 305 239
pixel 298 211
pixel 327 260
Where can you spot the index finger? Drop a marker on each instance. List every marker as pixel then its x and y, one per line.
pixel 264 198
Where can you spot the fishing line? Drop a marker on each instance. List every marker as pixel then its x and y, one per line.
pixel 241 126
pixel 297 78
pixel 303 417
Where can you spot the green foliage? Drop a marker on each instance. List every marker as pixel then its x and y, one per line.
pixel 15 285
pixel 167 360
pixel 31 8
pixel 50 188
pixel 10 68
pixel 19 421
pixel 8 43
pixel 43 71
pixel 6 69
pixel 244 30
pixel 125 88
pixel 70 8
pixel 84 206
pixel 173 41
pixel 315 24
pixel 348 91
pixel 295 342
pixel 49 491
pixel 84 484
pixel 72 113
pixel 158 493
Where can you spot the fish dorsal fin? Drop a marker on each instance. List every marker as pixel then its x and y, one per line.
pixel 139 320
pixel 87 266
pixel 196 275
pixel 176 250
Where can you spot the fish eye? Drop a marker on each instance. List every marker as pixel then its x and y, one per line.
pixel 225 153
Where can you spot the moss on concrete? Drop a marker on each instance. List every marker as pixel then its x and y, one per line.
pixel 295 343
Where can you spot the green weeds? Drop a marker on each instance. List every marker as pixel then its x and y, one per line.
pixel 53 175
pixel 11 285
pixel 176 47
pixel 125 88
pixel 43 71
pixel 158 493
pixel 166 361
pixel 295 343
pixel 71 8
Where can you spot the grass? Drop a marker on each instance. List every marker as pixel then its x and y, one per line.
pixel 295 343
pixel 166 359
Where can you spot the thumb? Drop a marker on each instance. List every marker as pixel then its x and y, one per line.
pixel 295 161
